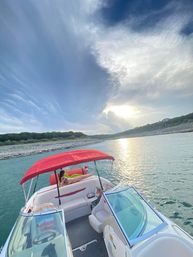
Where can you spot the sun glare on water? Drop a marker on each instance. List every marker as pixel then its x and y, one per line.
pixel 122 111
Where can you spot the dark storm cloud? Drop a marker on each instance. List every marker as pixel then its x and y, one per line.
pixel 141 15
pixel 188 28
pixel 147 12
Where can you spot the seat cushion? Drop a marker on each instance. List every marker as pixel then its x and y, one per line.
pixel 74 204
pixel 102 215
pixel 95 223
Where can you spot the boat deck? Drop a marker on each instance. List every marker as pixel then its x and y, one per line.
pixel 85 241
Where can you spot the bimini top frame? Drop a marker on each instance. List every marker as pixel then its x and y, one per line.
pixel 59 161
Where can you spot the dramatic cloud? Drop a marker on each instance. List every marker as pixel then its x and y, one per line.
pixel 92 65
pixel 151 68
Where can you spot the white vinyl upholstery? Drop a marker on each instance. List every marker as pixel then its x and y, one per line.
pixel 102 215
pixel 74 197
pixel 99 216
pixel 73 204
pixel 95 223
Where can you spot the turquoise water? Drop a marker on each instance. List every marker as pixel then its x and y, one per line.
pixel 161 167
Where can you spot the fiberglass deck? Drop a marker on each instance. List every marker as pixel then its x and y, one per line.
pixel 85 241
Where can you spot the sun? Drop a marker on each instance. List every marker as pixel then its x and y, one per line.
pixel 122 111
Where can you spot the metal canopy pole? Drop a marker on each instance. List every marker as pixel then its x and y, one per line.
pixel 30 187
pixel 56 177
pixel 24 193
pixel 98 176
pixel 35 184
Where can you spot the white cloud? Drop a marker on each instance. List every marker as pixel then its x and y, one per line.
pixel 156 61
pixel 146 66
pixel 25 122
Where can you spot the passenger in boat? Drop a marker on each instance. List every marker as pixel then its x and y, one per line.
pixel 66 181
pixel 76 172
pixel 98 194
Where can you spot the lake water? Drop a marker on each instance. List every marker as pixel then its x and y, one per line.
pixel 161 167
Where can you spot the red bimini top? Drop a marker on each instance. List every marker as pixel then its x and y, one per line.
pixel 61 160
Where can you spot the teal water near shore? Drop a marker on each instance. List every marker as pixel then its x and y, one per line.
pixel 161 167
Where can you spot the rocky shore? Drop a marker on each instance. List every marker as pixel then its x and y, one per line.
pixel 10 151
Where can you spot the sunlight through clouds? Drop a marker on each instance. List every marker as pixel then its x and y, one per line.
pixel 122 111
pixel 156 61
pixel 150 69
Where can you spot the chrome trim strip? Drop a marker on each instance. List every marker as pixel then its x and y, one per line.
pixel 83 247
pixel 118 191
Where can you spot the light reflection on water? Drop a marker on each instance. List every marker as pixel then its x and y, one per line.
pixel 161 167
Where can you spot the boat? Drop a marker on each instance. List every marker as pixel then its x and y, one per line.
pixel 91 217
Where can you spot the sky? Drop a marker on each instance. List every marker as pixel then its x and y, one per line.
pixel 96 66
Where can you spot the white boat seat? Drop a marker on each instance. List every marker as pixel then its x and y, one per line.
pixel 99 217
pixel 102 215
pixel 74 204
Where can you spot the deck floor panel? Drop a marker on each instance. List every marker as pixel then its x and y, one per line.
pixel 80 232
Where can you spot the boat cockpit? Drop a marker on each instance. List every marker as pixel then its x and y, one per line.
pixel 73 220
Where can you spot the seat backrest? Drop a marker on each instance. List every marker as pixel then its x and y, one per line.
pixel 67 192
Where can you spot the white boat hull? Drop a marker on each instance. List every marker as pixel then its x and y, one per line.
pixel 76 201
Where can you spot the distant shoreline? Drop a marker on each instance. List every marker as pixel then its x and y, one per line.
pixel 180 124
pixel 29 143
pixel 166 131
pixel 20 150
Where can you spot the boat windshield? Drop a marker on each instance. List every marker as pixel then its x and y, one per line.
pixel 133 214
pixel 39 235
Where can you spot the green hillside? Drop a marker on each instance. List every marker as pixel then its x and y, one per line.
pixel 32 137
pixel 164 125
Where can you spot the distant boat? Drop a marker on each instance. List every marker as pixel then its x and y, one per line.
pixel 90 218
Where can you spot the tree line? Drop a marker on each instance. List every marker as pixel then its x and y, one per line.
pixel 166 123
pixel 28 137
